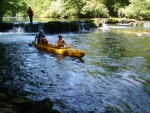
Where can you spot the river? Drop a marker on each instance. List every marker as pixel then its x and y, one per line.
pixel 113 76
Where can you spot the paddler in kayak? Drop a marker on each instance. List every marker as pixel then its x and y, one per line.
pixel 40 38
pixel 60 42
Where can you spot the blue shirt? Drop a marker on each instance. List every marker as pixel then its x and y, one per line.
pixel 39 36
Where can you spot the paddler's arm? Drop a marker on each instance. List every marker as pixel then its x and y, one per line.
pixel 66 44
pixel 57 43
pixel 36 38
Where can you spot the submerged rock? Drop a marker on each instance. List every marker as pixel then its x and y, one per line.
pixel 14 104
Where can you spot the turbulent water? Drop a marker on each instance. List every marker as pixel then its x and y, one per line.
pixel 113 77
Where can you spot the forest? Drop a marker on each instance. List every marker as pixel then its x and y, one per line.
pixel 137 9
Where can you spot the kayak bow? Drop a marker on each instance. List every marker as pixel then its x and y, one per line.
pixel 66 51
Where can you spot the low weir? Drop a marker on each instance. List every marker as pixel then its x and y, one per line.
pixel 50 27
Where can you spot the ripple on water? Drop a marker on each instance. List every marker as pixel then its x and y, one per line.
pixel 112 77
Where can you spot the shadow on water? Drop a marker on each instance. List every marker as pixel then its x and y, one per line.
pixel 113 76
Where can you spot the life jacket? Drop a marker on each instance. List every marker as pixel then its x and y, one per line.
pixel 39 36
pixel 62 44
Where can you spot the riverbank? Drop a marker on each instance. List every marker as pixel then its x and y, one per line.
pixel 10 103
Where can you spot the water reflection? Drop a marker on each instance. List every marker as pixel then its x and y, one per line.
pixel 112 77
pixel 114 45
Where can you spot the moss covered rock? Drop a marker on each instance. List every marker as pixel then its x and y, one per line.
pixel 14 104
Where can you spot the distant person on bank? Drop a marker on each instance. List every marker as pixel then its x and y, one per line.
pixel 30 14
pixel 40 38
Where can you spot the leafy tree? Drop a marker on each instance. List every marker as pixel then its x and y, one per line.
pixel 5 6
pixel 114 5
pixel 94 8
pixel 57 9
pixel 41 8
pixel 73 7
pixel 138 9
pixel 18 7
pixel 11 7
pixel 78 8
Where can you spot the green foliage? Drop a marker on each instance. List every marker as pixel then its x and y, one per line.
pixel 3 7
pixel 57 8
pixel 95 9
pixel 10 7
pixel 113 20
pixel 78 8
pixel 73 7
pixel 114 5
pixel 41 8
pixel 137 9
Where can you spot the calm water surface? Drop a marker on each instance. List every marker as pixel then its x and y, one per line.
pixel 113 77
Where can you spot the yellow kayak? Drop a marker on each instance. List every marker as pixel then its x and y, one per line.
pixel 65 51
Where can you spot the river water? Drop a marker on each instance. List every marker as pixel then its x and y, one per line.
pixel 113 76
